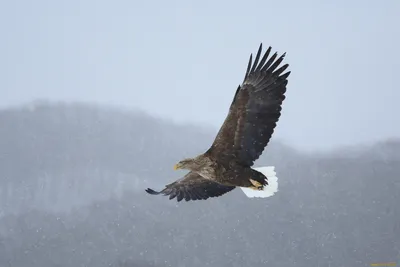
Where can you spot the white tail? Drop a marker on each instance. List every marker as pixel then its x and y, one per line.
pixel 270 189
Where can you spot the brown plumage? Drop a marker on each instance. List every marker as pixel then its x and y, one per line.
pixel 252 118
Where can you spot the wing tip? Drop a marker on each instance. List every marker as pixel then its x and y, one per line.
pixel 152 192
pixel 263 65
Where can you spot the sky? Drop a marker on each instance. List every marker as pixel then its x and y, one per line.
pixel 183 60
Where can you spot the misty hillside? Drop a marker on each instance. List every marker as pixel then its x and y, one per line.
pixel 49 152
pixel 72 180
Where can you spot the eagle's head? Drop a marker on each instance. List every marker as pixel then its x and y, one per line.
pixel 193 164
pixel 185 164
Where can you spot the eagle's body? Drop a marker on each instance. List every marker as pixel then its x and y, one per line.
pixel 252 117
pixel 227 172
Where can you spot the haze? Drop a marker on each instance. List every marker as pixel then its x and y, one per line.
pixel 182 60
pixel 129 88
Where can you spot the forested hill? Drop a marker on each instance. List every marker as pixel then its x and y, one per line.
pixel 60 155
pixel 72 180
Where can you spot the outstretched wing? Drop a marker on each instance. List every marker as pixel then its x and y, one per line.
pixel 254 111
pixel 192 187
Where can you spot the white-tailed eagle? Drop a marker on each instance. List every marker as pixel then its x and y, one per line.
pixel 246 131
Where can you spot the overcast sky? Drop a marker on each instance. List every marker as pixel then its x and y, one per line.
pixel 184 59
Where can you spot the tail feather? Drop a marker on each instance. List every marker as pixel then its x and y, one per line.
pixel 270 189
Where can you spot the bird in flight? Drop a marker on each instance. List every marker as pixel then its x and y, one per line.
pixel 251 120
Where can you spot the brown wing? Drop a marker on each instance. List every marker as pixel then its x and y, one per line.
pixel 192 187
pixel 254 111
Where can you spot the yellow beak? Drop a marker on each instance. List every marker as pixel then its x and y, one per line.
pixel 176 167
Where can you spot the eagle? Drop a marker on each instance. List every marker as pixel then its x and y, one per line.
pixel 247 129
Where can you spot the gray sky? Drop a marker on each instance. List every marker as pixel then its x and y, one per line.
pixel 184 59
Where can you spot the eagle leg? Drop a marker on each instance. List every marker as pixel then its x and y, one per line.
pixel 256 185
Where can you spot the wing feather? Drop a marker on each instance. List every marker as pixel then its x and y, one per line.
pixel 192 187
pixel 254 111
